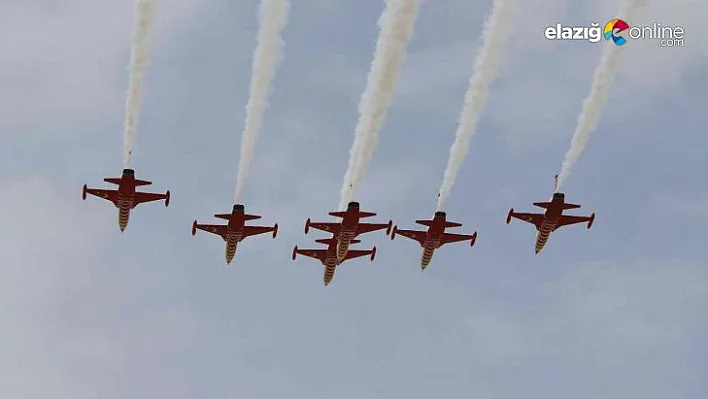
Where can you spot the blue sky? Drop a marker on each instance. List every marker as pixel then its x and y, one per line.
pixel 85 311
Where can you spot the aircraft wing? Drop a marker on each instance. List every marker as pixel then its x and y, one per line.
pixel 533 218
pixel 256 230
pixel 319 254
pixel 328 227
pixel 413 235
pixel 355 253
pixel 218 229
pixel 450 238
pixel 141 198
pixel 363 228
pixel 567 219
pixel 110 195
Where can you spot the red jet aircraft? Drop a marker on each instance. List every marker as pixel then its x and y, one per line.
pixel 236 230
pixel 349 228
pixel 328 256
pixel 125 197
pixel 435 237
pixel 552 219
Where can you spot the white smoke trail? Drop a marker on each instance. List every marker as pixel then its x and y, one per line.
pixel 267 56
pixel 601 84
pixel 144 12
pixel 395 30
pixel 497 30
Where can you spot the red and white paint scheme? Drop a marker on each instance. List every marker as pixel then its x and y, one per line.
pixel 552 219
pixel 349 228
pixel 236 230
pixel 328 256
pixel 435 237
pixel 125 198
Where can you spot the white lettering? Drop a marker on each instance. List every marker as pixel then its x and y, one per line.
pixel 567 33
pixel 678 33
pixel 578 33
pixel 669 36
pixel 594 32
pixel 550 33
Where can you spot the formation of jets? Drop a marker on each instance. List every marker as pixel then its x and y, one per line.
pixel 344 232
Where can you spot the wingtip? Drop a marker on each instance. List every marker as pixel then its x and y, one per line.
pixel 83 192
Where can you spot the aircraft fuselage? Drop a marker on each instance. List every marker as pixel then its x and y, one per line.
pixel 330 265
pixel 126 196
pixel 550 221
pixel 350 222
pixel 234 233
pixel 433 238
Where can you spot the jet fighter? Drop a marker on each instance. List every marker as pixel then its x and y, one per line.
pixel 125 197
pixel 235 230
pixel 328 256
pixel 552 219
pixel 435 237
pixel 349 227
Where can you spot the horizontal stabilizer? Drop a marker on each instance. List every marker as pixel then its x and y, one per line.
pixel 366 214
pixel 330 240
pixel 547 205
pixel 227 216
pixel 339 214
pixel 453 224
pixel 142 183
pixel 112 180
pixel 425 222
pixel 544 205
